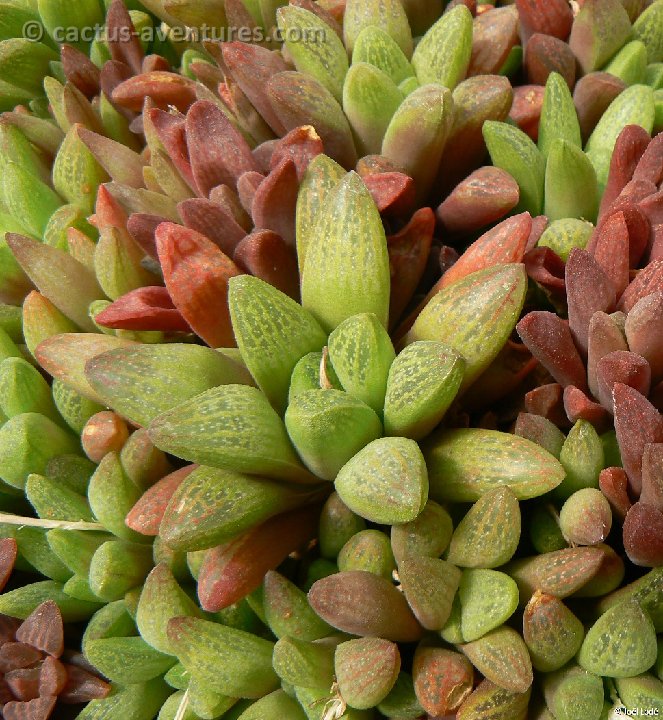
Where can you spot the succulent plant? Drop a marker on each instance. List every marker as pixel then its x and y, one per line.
pixel 283 468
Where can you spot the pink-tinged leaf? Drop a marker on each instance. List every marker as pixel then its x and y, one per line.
pixel 621 367
pixel 219 154
pixel 144 309
pixel 408 255
pixel 652 207
pixel 611 251
pixel 326 13
pixel 652 476
pixel 247 187
pixel 163 88
pixel 300 145
pixel 643 535
pixel 229 200
pixel 122 39
pixel 376 164
pixel 146 515
pixel 493 35
pixel 547 269
pixel 613 482
pixel 503 244
pixel 644 332
pixel 8 628
pixel 550 17
pixel 525 110
pixel 638 229
pixel 8 551
pixel 142 228
pixel 275 201
pixel 38 709
pixel 539 225
pixel 171 131
pixel 251 66
pixel 197 274
pixel 82 686
pixel 80 71
pixel 484 197
pixel 546 54
pixel 269 257
pixel 631 144
pixel 231 571
pixel 52 677
pixel 108 213
pixel 656 251
pixel 592 95
pixel 650 166
pixel 580 407
pixel 647 281
pixel 588 290
pixel 208 75
pixel 24 683
pixel 548 401
pixel 213 221
pixel 605 336
pixel 43 629
pixel 262 154
pixel 634 192
pixel 114 73
pixel 392 192
pixel 549 339
pixel 152 63
pixel 637 423
pixel 120 162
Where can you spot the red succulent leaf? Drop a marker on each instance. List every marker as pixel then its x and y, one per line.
pixel 525 110
pixel 300 145
pixel 269 257
pixel 247 187
pixel 17 655
pixel 43 629
pixel 545 54
pixel 82 686
pixel 484 197
pixel 549 339
pixel 171 131
pixel 262 154
pixel 80 71
pixel 392 192
pixel 146 515
pixel 24 683
pixel 548 401
pixel 154 62
pixel 613 482
pixel 637 423
pixel 592 95
pixel 621 367
pixel 231 571
pixel 165 89
pixel 408 255
pixel 219 154
pixel 37 709
pixel 547 269
pixel 611 251
pixel 197 274
pixel 122 39
pixel 493 36
pixel 652 207
pixel 644 331
pixel 8 551
pixel 142 228
pixel 114 73
pixel 652 476
pixel 650 166
pixel 213 221
pixel 647 281
pixel 147 308
pixel 52 677
pixel 326 14
pixel 8 628
pixel 578 406
pixel 588 290
pixel 643 535
pixel 539 225
pixel 629 147
pixel 275 201
pixel 605 336
pixel 251 66
pixel 550 17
